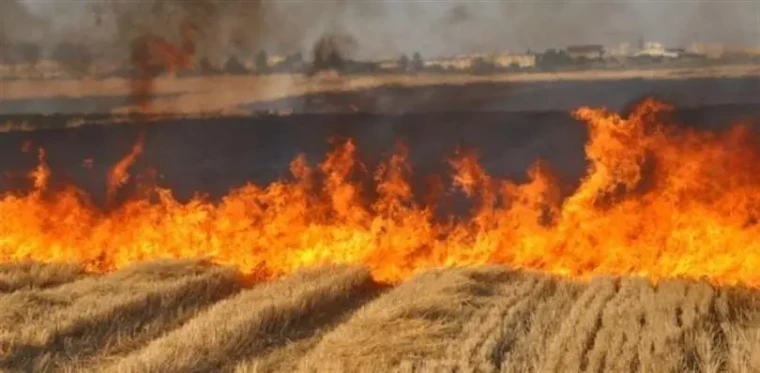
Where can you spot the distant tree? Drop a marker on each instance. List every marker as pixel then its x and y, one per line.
pixel 296 58
pixel 205 67
pixel 262 62
pixel 293 63
pixel 417 63
pixel 335 61
pixel 317 64
pixel 436 69
pixel 553 58
pixel 327 56
pixel 235 67
pixel 403 63
pixel 30 52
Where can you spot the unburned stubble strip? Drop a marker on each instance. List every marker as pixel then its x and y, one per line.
pixel 677 309
pixel 533 338
pixel 617 341
pixel 50 328
pixel 28 275
pixel 411 324
pixel 250 323
pixel 568 348
pixel 480 349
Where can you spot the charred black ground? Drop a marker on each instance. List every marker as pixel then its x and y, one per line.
pixel 212 155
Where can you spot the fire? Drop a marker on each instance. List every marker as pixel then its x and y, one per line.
pixel 657 200
pixel 119 173
pixel 150 54
pixel 41 175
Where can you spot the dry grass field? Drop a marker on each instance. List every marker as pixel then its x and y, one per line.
pixel 192 317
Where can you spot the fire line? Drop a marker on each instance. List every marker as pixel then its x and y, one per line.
pixel 657 200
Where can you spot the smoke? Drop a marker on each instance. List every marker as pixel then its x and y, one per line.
pixel 18 23
pixel 731 22
pixel 389 28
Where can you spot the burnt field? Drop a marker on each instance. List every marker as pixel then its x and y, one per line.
pixel 212 155
pixel 510 125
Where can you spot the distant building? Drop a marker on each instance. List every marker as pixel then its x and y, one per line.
pixel 620 50
pixel 655 49
pixel 742 52
pixel 293 63
pixel 515 60
pixel 453 63
pixel 388 64
pixel 43 69
pixel 275 60
pixel 709 50
pixel 716 50
pixel 586 51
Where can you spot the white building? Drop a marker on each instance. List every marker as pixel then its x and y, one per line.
pixel 656 49
pixel 519 60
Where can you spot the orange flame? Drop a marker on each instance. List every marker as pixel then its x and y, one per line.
pixel 119 173
pixel 40 175
pixel 656 201
pixel 149 53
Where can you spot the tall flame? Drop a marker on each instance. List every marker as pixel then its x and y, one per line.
pixel 41 174
pixel 657 200
pixel 118 176
pixel 148 54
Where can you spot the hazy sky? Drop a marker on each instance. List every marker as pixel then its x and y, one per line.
pixel 432 27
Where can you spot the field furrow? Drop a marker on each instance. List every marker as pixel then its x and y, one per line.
pixel 533 337
pixel 738 312
pixel 676 310
pixel 568 349
pixel 481 348
pixel 79 322
pixel 618 337
pixel 284 355
pixel 416 321
pixel 189 316
pixel 33 275
pixel 253 323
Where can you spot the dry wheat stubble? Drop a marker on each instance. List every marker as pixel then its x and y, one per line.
pixel 415 322
pixel 28 275
pixel 251 323
pixel 49 329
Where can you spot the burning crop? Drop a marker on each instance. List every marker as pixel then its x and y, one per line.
pixel 657 200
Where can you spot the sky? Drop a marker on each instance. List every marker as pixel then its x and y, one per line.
pixel 388 27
